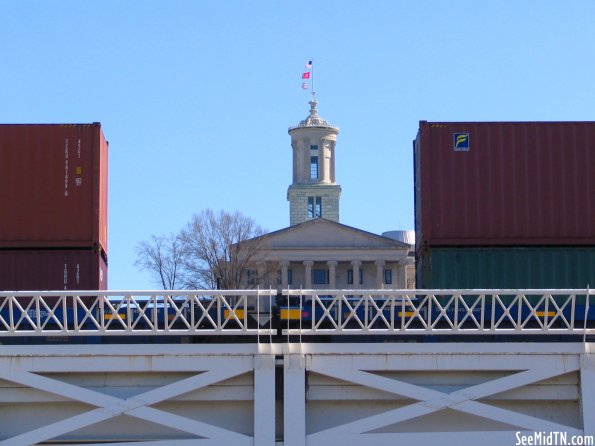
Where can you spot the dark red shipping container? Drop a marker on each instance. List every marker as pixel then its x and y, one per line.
pixel 505 183
pixel 52 270
pixel 53 186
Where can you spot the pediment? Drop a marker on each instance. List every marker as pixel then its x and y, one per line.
pixel 321 233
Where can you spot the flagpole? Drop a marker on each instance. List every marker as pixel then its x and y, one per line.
pixel 313 91
pixel 309 77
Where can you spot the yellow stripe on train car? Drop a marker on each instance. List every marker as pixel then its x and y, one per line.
pixel 544 313
pixel 114 316
pixel 291 314
pixel 228 314
pixel 405 313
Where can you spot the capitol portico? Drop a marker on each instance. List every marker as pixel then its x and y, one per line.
pixel 322 254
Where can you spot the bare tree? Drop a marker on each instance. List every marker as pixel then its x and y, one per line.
pixel 162 257
pixel 219 248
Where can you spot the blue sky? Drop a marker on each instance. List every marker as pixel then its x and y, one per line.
pixel 195 97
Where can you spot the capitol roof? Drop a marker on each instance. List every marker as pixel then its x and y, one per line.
pixel 313 120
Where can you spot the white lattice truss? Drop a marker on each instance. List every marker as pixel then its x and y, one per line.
pixel 337 312
pixel 206 369
pixel 139 313
pixel 471 312
pixel 517 368
pixel 331 393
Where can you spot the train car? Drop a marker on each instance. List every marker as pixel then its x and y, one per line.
pixel 441 309
pixel 151 313
pixel 347 311
pixel 60 318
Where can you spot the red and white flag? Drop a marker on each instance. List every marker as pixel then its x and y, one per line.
pixel 306 75
pixel 309 64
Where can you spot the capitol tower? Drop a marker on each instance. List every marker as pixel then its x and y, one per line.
pixel 314 192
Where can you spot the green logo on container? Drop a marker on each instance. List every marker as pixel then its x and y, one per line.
pixel 461 142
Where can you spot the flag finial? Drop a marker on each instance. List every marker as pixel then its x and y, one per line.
pixel 313 103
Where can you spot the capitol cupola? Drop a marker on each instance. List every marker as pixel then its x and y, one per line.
pixel 314 192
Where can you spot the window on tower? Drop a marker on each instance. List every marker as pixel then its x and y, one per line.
pixel 314 207
pixel 313 167
pixel 314 147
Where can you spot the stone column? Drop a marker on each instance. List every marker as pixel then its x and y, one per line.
pixel 284 274
pixel 380 273
pixel 332 265
pixel 306 161
pixel 259 281
pixel 328 161
pixel 261 269
pixel 300 162
pixel 332 154
pixel 308 272
pixel 356 265
pixel 402 274
pixel 322 161
pixel 294 148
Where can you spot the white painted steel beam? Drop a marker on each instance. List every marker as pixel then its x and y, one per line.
pixel 432 400
pixel 264 400
pixel 110 407
pixel 587 389
pixel 519 387
pixel 492 438
pixel 523 365
pixel 294 401
pixel 138 405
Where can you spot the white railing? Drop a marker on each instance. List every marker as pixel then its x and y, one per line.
pixel 414 312
pixel 303 312
pixel 116 313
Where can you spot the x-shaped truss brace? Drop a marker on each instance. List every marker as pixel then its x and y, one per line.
pixel 429 401
pixel 136 406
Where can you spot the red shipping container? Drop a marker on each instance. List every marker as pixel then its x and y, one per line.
pixel 52 270
pixel 505 183
pixel 53 186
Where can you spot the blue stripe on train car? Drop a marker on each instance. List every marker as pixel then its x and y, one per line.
pixel 47 320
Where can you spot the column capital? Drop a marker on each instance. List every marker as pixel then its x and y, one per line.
pixel 332 263
pixel 380 263
pixel 357 263
pixel 308 263
pixel 284 263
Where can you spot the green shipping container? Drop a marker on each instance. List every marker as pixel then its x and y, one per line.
pixel 506 268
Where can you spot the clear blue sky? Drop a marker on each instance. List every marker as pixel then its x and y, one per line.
pixel 196 97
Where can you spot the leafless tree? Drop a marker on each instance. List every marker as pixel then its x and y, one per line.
pixel 219 248
pixel 162 257
pixel 212 251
